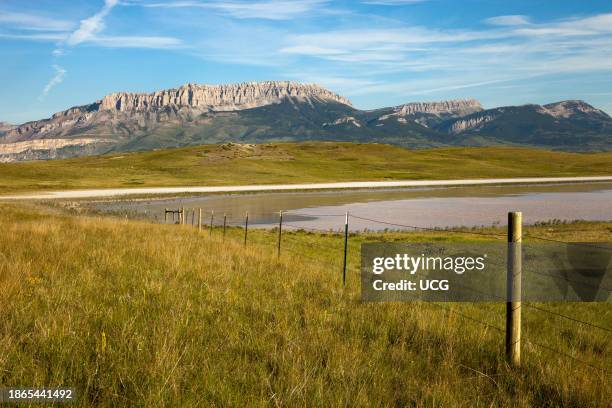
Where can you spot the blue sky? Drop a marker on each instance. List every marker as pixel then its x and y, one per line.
pixel 56 54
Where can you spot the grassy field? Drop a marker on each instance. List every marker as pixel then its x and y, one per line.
pixel 138 314
pixel 293 163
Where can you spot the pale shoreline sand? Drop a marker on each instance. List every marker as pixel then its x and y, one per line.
pixel 111 192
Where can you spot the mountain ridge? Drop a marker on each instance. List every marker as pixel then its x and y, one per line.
pixel 256 112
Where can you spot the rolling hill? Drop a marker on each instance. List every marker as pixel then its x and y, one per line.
pixel 290 163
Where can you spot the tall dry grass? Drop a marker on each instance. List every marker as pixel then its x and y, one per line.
pixel 135 314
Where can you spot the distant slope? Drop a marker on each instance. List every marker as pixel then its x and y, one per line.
pixel 5 127
pixel 574 125
pixel 259 112
pixel 286 163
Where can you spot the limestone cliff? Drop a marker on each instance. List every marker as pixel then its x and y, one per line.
pixel 219 97
pixel 123 113
pixel 430 114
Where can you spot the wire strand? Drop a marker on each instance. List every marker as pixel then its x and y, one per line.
pixel 568 317
pixel 425 228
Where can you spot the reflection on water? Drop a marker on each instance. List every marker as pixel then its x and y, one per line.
pixel 425 207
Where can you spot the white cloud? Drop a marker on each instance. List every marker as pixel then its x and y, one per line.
pixel 589 26
pixel 266 9
pixel 91 26
pixel 27 21
pixel 56 80
pixel 35 37
pixel 137 42
pixel 392 2
pixel 422 60
pixel 88 31
pixel 510 20
pixel 377 45
pixel 314 50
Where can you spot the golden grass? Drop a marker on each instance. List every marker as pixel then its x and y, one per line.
pixel 136 314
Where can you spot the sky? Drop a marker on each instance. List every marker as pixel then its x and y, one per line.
pixel 56 54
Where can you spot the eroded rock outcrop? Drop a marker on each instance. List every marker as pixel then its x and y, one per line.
pixel 44 149
pixel 429 114
pixel 462 125
pixel 218 97
pixel 123 113
pixel 458 107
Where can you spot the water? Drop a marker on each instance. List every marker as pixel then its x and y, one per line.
pixel 422 207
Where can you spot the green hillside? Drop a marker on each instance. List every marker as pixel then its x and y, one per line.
pixel 234 164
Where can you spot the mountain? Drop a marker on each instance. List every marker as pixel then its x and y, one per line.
pixel 287 111
pixel 571 125
pixel 5 127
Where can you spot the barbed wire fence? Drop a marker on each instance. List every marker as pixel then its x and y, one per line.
pixel 342 235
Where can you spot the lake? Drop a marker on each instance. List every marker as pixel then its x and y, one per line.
pixel 421 207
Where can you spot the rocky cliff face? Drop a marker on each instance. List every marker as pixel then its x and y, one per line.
pixel 5 127
pixel 430 114
pixel 121 114
pixel 219 97
pixel 567 109
pixel 457 107
pixel 461 125
pixel 44 149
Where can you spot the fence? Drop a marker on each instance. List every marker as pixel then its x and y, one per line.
pixel 514 236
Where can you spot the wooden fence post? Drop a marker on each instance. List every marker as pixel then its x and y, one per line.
pixel 280 231
pixel 246 227
pixel 345 248
pixel 224 224
pixel 165 215
pixel 199 219
pixel 212 215
pixel 513 301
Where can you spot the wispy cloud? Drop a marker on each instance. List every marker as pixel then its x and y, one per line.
pixel 34 36
pixel 510 20
pixel 56 80
pixel 376 45
pixel 267 10
pixel 137 42
pixel 514 48
pixel 28 21
pixel 392 2
pixel 91 26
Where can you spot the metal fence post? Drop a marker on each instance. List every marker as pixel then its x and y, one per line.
pixel 345 248
pixel 513 301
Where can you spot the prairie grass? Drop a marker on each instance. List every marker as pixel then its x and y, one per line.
pixel 138 314
pixel 287 163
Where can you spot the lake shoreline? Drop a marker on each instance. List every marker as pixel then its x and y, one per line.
pixel 93 193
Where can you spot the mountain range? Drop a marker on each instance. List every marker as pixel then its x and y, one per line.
pixel 257 112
